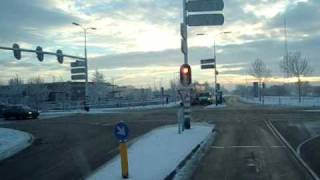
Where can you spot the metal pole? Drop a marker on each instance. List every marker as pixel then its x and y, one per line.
pixel 215 72
pixel 86 100
pixel 185 16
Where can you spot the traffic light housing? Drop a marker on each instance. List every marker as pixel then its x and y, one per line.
pixel 185 75
pixel 16 51
pixel 60 56
pixel 39 53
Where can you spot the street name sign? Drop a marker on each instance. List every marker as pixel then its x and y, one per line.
pixel 205 19
pixel 208 66
pixel 207 61
pixel 78 70
pixel 78 64
pixel 78 77
pixel 205 5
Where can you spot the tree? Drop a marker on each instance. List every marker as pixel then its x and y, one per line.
pixel 294 65
pixel 37 92
pixel 16 90
pixel 260 71
pixel 98 77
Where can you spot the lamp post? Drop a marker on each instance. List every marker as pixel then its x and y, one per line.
pixel 215 58
pixel 85 29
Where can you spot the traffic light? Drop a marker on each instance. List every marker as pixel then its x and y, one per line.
pixel 185 75
pixel 39 53
pixel 60 56
pixel 16 51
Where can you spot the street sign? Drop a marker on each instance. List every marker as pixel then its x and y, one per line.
pixel 207 61
pixel 78 64
pixel 121 131
pixel 208 66
pixel 205 5
pixel 205 20
pixel 78 77
pixel 183 31
pixel 78 70
pixel 184 47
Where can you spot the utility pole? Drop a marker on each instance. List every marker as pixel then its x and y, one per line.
pixel 85 29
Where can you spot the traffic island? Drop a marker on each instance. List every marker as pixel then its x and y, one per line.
pixel 157 154
pixel 13 141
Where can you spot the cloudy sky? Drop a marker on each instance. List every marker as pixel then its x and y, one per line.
pixel 137 42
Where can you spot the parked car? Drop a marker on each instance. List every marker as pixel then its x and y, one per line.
pixel 20 112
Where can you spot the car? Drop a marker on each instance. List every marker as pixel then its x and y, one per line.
pixel 20 113
pixel 2 108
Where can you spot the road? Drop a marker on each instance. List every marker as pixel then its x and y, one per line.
pixel 246 149
pixel 73 147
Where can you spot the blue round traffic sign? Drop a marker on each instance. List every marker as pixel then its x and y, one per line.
pixel 121 131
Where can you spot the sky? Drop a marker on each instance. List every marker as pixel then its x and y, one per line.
pixel 137 42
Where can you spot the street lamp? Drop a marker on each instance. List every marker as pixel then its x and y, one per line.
pixel 215 59
pixel 85 29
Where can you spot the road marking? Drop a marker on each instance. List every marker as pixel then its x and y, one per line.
pixel 233 147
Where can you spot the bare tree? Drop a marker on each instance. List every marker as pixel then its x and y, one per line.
pixel 98 77
pixel 15 90
pixel 37 92
pixel 294 65
pixel 260 71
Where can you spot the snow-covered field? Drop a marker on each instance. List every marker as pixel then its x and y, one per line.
pixel 285 101
pixel 12 141
pixel 156 154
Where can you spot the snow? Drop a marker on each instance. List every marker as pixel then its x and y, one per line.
pixel 213 106
pixel 55 114
pixel 285 101
pixel 156 154
pixel 12 142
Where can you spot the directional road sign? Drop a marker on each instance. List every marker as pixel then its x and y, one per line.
pixel 208 66
pixel 205 5
pixel 78 64
pixel 205 20
pixel 121 131
pixel 78 77
pixel 78 70
pixel 207 61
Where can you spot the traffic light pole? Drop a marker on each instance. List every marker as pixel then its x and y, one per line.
pixel 215 72
pixel 86 99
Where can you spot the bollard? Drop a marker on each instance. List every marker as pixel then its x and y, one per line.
pixel 124 160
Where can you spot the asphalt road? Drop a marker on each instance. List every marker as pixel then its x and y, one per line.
pixel 245 149
pixel 75 146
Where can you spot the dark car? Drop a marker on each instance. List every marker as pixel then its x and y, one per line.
pixel 20 112
pixel 2 108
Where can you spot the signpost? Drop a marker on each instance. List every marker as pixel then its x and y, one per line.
pixel 208 66
pixel 121 132
pixel 207 61
pixel 78 70
pixel 78 77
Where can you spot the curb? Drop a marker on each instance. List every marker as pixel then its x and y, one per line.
pixel 293 152
pixel 190 158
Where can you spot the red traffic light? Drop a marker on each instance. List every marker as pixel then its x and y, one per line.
pixel 185 75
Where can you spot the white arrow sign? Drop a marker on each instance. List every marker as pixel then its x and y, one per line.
pixel 121 131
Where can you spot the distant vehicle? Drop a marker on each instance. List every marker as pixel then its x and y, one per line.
pixel 204 98
pixel 20 113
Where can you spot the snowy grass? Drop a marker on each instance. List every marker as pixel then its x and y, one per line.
pixel 285 101
pixel 156 154
pixel 213 106
pixel 13 141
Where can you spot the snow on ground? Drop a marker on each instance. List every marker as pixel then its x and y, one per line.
pixel 284 101
pixel 12 141
pixel 55 114
pixel 213 106
pixel 156 154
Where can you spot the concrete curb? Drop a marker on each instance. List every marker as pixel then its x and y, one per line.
pixel 292 150
pixel 187 166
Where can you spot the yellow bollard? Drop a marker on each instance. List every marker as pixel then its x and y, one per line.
pixel 124 160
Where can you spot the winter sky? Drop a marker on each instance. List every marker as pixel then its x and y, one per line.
pixel 137 42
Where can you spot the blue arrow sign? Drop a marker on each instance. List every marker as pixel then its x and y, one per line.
pixel 121 131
